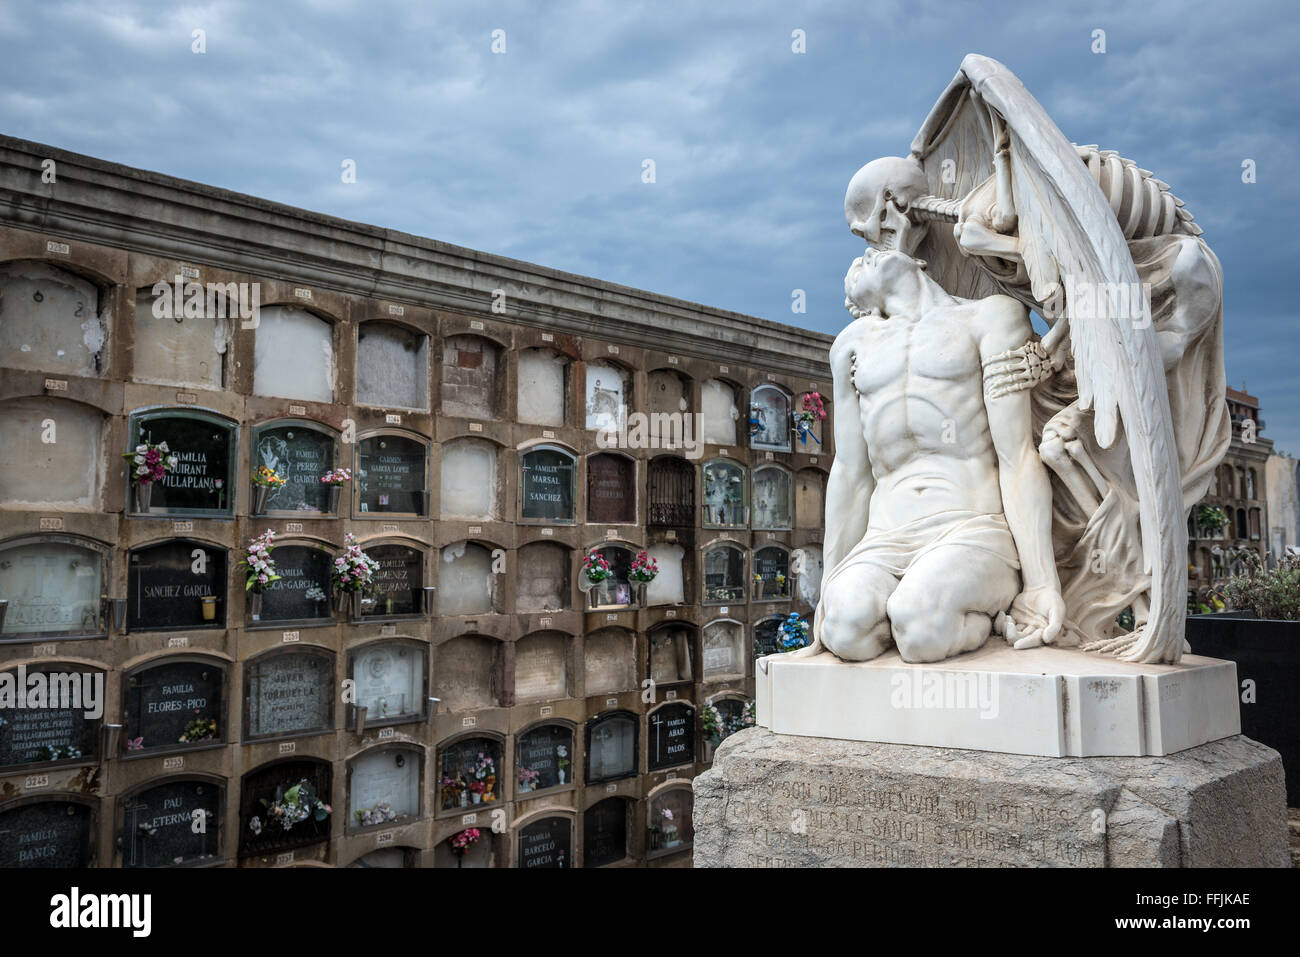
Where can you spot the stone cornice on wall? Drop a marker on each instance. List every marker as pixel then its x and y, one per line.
pixel 119 206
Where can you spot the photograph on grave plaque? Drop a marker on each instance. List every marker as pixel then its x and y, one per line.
pixel 54 587
pixel 173 705
pixel 468 773
pixel 302 592
pixel 397 587
pixel 543 758
pixel 204 447
pixel 284 805
pixel 669 828
pixel 771 498
pixel 175 585
pixel 46 834
pixel 178 822
pixel 604 832
pixel 545 843
pixel 670 736
pixel 611 489
pixel 769 418
pixel 44 735
pixel 299 453
pixel 771 574
pixel 724 494
pixel 391 475
pixel 611 746
pixel 384 787
pixel 288 692
pixel 546 485
pixel 724 575
pixel 389 682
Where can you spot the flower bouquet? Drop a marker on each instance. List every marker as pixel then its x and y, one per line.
pixel 669 827
pixel 644 568
pixel 596 567
pixel 353 573
pixel 813 411
pixel 261 570
pixel 528 780
pixel 292 807
pixel 264 480
pixel 792 633
pixel 462 842
pixel 334 480
pixel 484 774
pixel 150 463
pixel 379 814
pixel 200 729
pixel 453 792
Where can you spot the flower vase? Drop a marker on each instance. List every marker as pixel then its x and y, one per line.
pixel 260 494
pixel 340 600
pixel 209 607
pixel 335 493
pixel 561 775
pixel 475 798
pixel 355 598
pixel 142 492
pixel 464 798
pixel 255 604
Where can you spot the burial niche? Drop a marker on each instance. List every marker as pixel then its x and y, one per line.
pixel 765 634
pixel 671 492
pixel 397 587
pixel 51 728
pixel 303 591
pixel 53 585
pixel 388 682
pixel 293 355
pixel 392 366
pixel 771 498
pixel 724 574
pixel 611 746
pixel 546 842
pixel 173 348
pixel 178 584
pixel 720 405
pixel 604 832
pixel 615 590
pixel 466 584
pixel 809 572
pixel 609 661
pixel 173 823
pixel 544 758
pixel 172 705
pixel 467 673
pixel 301 454
pixel 542 387
pixel 542 666
pixel 670 827
pixel 542 582
pixel 55 452
pixel 469 479
pixel 469 377
pixel 771 574
pixel 46 834
pixel 384 787
pixel 669 586
pixel 611 489
pixel 392 475
pixel 670 736
pixel 468 773
pixel 668 392
pixel 809 501
pixel 50 321
pixel 285 805
pixel 769 418
pixel 606 397
pixel 546 482
pixel 671 654
pixel 288 692
pixel 204 448
pixel 724 650
pixel 724 494
pixel 388 857
pixel 477 852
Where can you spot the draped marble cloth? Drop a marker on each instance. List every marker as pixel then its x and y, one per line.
pixel 1096 592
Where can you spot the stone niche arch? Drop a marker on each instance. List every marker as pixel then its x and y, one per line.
pixel 389 857
pixel 54 585
pixel 466 583
pixel 54 829
pixel 724 574
pixel 469 479
pixel 543 666
pixel 542 579
pixel 467 673
pixel 611 489
pixel 612 740
pixel 176 584
pixel 808 568
pixel 471 377
pixel 605 832
pixel 545 839
pixel 391 475
pixel 671 492
pixel 289 691
pixel 722 405
pixel 723 641
pixel 300 451
pixel 173 348
pixel 726 494
pixel 269 782
pixel 618 590
pixel 155 825
pixel 59 734
pixel 544 757
pixel 471 772
pixel 543 387
pixel 609 661
pixel 547 484
pixel 55 452
pixel 205 445
pixel 392 368
pixel 770 499
pixel 668 819
pixel 773 577
pixel 293 354
pixel 52 320
pixel 166 700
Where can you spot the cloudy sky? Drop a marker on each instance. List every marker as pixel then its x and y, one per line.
pixel 537 153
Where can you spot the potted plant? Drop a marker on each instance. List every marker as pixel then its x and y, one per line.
pixel 352 574
pixel 813 411
pixel 462 842
pixel 264 480
pixel 335 479
pixel 261 570
pixel 1209 520
pixel 149 463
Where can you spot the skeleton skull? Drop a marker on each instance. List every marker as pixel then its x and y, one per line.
pixel 877 201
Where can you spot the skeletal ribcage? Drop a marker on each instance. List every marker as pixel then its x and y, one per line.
pixel 1142 204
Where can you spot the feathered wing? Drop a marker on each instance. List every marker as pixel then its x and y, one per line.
pixel 1071 244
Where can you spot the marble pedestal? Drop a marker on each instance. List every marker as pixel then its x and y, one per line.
pixel 773 800
pixel 1043 701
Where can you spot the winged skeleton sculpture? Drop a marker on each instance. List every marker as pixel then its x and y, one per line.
pixel 1126 390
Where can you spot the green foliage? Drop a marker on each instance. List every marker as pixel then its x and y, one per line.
pixel 1267 593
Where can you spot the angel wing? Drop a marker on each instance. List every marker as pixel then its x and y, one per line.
pixel 1071 255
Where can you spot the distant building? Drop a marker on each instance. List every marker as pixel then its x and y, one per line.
pixel 1282 482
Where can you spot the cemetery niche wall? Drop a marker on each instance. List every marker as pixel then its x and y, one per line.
pixel 769 418
pixel 397 586
pixel 173 704
pixel 469 479
pixel 542 666
pixel 721 405
pixel 204 449
pixel 289 692
pixel 180 349
pixel 668 828
pixel 470 387
pixel 388 682
pixel 671 487
pixel 466 584
pixel 303 592
pixel 606 397
pixel 725 495
pixel 609 661
pixel 47 734
pixel 724 574
pixel 542 579
pixel 611 489
pixel 545 842
pixel 172 823
pixel 546 485
pixel 175 585
pixel 301 453
pixel 53 586
pixel 671 653
pixel 467 673
pixel 284 805
pixel 392 475
pixel 544 758
pixel 392 366
pixel 47 832
pixel 724 650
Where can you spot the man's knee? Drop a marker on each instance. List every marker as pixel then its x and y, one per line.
pixel 854 623
pixel 925 627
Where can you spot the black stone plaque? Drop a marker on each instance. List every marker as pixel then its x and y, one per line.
pixel 604 838
pixel 547 485
pixel 200 482
pixel 43 734
pixel 397 585
pixel 174 823
pixel 546 843
pixel 46 834
pixel 266 787
pixel 390 474
pixel 303 590
pixel 611 747
pixel 671 736
pixel 289 693
pixel 548 750
pixel 765 637
pixel 301 455
pixel 611 489
pixel 166 584
pixel 163 701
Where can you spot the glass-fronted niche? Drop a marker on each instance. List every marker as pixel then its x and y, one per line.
pixel 544 758
pixel 765 633
pixel 178 584
pixel 724 495
pixel 285 805
pixel 772 574
pixel 53 727
pixel 545 842
pixel 301 453
pixel 617 589
pixel 546 485
pixel 392 366
pixel 174 823
pixel 670 736
pixel 47 834
pixel 769 418
pixel 397 587
pixel 389 682
pixel 611 746
pixel 392 475
pixel 52 321
pixel 53 585
pixel 204 449
pixel 724 574
pixel 724 649
pixel 771 498
pixel 288 692
pixel 604 832
pixel 384 786
pixel 469 773
pixel 303 592
pixel 175 704
pixel 669 828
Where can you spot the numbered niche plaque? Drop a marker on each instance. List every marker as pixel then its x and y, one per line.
pixel 545 843
pixel 545 756
pixel 46 834
pixel 176 704
pixel 289 693
pixel 52 727
pixel 300 454
pixel 174 823
pixel 174 585
pixel 671 736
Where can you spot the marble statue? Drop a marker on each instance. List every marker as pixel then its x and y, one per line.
pixel 986 480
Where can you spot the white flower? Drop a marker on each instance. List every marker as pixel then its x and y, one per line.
pixel 162 447
pixel 141 449
pixel 138 460
pixel 142 470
